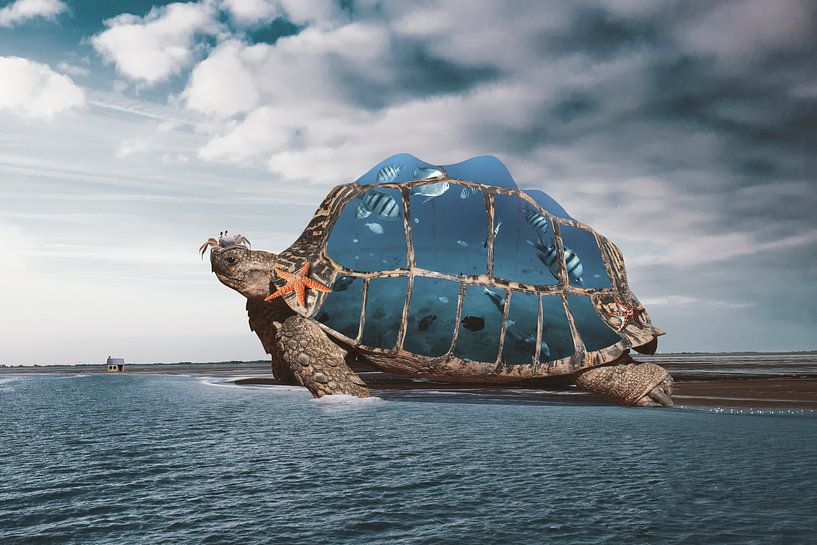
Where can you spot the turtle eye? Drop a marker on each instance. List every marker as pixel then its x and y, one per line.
pixel 231 260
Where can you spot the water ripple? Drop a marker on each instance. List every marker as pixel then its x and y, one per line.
pixel 171 459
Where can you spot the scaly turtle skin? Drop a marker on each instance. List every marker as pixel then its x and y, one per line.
pixel 539 294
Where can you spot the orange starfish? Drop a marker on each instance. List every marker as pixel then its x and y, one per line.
pixel 297 282
pixel 626 314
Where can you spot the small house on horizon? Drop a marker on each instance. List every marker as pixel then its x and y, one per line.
pixel 115 365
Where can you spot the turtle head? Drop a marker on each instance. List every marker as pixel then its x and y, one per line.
pixel 246 271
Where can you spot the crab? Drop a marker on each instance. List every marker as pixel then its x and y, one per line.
pixel 224 240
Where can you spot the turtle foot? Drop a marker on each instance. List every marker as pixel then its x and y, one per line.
pixel 316 362
pixel 633 384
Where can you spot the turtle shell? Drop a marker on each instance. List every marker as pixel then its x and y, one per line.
pixel 464 276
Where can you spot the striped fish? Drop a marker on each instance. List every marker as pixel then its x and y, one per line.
pixel 380 204
pixel 388 173
pixel 538 222
pixel 362 212
pixel 549 256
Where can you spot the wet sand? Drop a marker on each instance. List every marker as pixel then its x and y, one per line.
pixel 780 381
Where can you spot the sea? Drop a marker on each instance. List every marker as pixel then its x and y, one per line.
pixel 182 459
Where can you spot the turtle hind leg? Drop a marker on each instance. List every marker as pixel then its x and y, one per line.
pixel 316 361
pixel 634 384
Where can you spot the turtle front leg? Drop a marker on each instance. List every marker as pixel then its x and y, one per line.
pixel 316 361
pixel 638 384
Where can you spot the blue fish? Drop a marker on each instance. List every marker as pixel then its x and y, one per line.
pixel 381 205
pixel 549 256
pixel 538 222
pixel 388 173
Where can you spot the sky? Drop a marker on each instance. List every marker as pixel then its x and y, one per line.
pixel 131 131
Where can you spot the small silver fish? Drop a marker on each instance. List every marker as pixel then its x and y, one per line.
pixel 467 192
pixel 416 220
pixel 388 173
pixel 496 299
pixel 355 240
pixel 431 190
pixel 462 243
pixel 443 299
pixel 428 173
pixel 375 228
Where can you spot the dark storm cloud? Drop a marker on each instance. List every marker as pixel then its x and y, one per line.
pixel 414 72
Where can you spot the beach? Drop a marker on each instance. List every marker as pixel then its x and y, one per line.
pixel 779 380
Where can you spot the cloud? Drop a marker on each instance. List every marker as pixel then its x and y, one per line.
pixel 32 89
pixel 73 70
pixel 247 12
pixel 152 48
pixel 132 146
pixel 22 11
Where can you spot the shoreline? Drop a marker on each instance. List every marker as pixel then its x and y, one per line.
pixel 780 381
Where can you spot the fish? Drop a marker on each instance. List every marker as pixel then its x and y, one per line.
pixel 389 172
pixel 442 299
pixel 462 243
pixel 496 232
pixel 343 283
pixel 473 323
pixel 426 322
pixel 355 240
pixel 375 228
pixel 416 220
pixel 496 299
pixel 431 190
pixel 379 204
pixel 428 173
pixel 538 222
pixel 549 256
pixel 467 192
pixel 545 350
pixel 362 212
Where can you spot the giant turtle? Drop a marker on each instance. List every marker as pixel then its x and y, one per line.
pixel 450 273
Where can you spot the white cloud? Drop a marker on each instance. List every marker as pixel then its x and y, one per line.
pixel 224 83
pixel 247 12
pixel 25 10
pixel 72 70
pixel 32 89
pixel 151 48
pixel 132 146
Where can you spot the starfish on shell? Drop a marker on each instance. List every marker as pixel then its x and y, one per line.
pixel 627 314
pixel 298 282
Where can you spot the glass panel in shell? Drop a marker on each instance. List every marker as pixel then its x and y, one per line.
pixel 341 307
pixel 384 311
pixel 557 340
pixel 481 324
pixel 432 316
pixel 595 333
pixel 449 228
pixel 369 234
pixel 520 335
pixel 583 258
pixel 523 243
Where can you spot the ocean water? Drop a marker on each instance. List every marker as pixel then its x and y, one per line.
pixel 112 459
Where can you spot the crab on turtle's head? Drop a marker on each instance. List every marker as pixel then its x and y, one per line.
pixel 238 267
